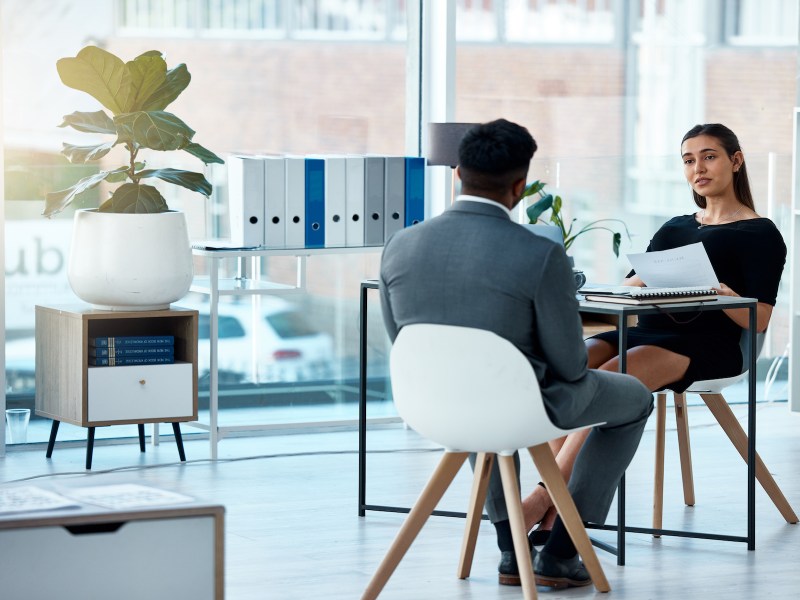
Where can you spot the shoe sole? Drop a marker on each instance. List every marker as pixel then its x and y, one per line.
pixel 560 582
pixel 504 579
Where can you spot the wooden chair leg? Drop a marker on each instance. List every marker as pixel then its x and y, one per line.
pixel 552 478
pixel 730 425
pixel 434 490
pixel 522 549
pixel 684 448
pixel 480 483
pixel 658 478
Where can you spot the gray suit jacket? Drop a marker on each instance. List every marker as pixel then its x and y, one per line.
pixel 472 266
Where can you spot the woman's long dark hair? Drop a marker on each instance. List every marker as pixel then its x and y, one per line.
pixel 729 141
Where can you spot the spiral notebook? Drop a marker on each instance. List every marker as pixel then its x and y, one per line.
pixel 629 294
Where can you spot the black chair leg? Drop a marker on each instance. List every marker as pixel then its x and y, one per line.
pixel 89 448
pixel 52 441
pixel 176 428
pixel 141 437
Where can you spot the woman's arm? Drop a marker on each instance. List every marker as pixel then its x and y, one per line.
pixel 741 316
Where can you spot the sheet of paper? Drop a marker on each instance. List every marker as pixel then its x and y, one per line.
pixel 678 267
pixel 29 498
pixel 123 496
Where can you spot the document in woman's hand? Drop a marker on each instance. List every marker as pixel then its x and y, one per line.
pixel 678 267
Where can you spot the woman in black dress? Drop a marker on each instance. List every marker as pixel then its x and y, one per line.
pixel 748 255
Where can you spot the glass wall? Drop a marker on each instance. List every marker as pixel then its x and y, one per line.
pixel 607 87
pixel 268 77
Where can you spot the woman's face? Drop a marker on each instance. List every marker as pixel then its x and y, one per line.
pixel 707 167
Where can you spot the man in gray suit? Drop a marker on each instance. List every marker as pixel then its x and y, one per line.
pixel 473 266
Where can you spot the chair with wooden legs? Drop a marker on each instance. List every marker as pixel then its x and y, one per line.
pixel 470 390
pixel 711 393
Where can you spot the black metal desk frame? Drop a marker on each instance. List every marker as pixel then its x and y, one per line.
pixel 621 312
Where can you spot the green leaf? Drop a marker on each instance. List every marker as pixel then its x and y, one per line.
pixel 207 156
pixel 55 202
pixel 535 210
pixel 135 198
pixel 174 83
pixel 157 130
pixel 148 73
pixel 533 188
pixel 117 175
pixel 615 242
pixel 101 75
pixel 90 122
pixel 557 205
pixel 83 154
pixel 195 182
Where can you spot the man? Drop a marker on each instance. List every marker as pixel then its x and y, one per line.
pixel 473 266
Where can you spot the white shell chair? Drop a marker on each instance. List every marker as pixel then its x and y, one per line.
pixel 711 393
pixel 472 391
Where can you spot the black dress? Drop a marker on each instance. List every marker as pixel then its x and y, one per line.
pixel 748 256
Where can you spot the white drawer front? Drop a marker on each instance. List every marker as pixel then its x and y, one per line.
pixel 147 559
pixel 140 392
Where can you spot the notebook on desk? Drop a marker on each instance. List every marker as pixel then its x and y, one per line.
pixel 629 294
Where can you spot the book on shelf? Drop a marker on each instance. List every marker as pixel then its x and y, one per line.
pixel 295 216
pixel 394 196
pixel 118 361
pixel 628 294
pixel 314 203
pixel 132 340
pixel 414 190
pixel 246 200
pixel 374 203
pixel 354 201
pixel 335 201
pixel 120 351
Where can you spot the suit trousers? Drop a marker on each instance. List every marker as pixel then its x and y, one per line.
pixel 623 403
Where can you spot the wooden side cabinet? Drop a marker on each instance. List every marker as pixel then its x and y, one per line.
pixel 69 389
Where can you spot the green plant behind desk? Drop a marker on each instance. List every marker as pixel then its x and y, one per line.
pixel 136 94
pixel 547 201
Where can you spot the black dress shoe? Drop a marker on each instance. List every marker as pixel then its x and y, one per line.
pixel 508 570
pixel 555 572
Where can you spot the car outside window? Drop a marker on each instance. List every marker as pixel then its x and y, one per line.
pixel 289 325
pixel 229 327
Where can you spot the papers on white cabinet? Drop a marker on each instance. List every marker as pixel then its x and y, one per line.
pixel 131 495
pixel 31 498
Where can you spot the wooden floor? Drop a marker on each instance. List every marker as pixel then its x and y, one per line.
pixel 292 529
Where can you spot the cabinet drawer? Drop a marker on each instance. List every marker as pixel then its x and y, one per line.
pixel 151 558
pixel 140 392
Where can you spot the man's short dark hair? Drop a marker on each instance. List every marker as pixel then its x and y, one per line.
pixel 492 156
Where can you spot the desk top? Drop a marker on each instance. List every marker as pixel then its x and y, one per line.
pixel 611 308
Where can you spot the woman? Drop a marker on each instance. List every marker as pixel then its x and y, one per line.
pixel 747 253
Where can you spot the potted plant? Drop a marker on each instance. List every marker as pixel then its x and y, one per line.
pixel 552 203
pixel 132 252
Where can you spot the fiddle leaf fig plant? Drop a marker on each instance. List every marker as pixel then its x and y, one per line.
pixel 135 93
pixel 547 201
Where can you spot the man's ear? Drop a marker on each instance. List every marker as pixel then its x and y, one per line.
pixel 518 187
pixel 458 173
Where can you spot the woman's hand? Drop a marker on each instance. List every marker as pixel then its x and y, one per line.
pixel 724 290
pixel 741 316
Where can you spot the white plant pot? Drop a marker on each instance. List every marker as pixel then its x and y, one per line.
pixel 130 261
